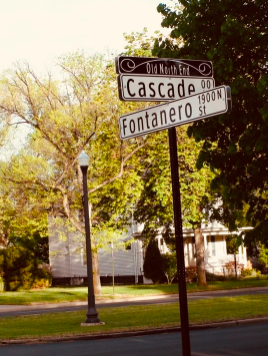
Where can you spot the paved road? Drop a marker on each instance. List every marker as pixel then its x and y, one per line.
pixel 248 340
pixel 15 310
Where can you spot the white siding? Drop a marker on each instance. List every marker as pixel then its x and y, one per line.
pixel 67 260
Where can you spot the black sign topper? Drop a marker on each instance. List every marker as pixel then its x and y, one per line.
pixel 164 67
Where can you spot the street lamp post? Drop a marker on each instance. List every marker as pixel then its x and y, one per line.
pixel 92 314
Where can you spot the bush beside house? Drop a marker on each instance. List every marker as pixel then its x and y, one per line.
pixel 19 269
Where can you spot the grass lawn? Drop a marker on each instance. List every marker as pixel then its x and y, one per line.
pixel 71 294
pixel 133 317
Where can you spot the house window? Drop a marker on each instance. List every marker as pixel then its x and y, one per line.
pixel 162 247
pixel 213 246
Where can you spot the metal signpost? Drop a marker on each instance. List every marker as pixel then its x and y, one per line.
pixel 161 79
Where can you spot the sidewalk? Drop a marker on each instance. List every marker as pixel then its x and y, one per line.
pixel 169 297
pixel 4 309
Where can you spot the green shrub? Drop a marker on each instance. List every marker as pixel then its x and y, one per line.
pixel 258 274
pixel 246 272
pixel 42 279
pixel 20 269
pixel 169 265
pixel 211 277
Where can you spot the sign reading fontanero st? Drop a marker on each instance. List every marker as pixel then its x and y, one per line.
pixel 212 102
pixel 160 88
pixel 164 66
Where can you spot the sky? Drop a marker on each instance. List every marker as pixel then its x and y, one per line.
pixel 40 31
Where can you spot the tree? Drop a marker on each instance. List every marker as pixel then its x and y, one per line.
pixel 79 111
pixel 23 218
pixel 169 266
pixel 154 208
pixel 155 204
pixel 234 37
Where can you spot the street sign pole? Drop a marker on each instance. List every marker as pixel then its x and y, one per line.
pixel 185 334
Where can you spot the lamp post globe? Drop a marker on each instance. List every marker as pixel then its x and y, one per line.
pixel 83 159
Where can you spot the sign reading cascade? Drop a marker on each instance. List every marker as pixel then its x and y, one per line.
pixel 160 88
pixel 175 113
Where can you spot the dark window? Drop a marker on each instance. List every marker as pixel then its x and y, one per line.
pixel 213 246
pixel 193 247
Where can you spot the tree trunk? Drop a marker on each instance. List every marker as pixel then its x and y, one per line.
pixel 96 273
pixel 235 264
pixel 200 256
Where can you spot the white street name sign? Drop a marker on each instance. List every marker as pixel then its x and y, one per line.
pixel 159 88
pixel 175 113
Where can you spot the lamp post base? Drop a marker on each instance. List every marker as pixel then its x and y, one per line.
pixel 92 319
pixel 92 316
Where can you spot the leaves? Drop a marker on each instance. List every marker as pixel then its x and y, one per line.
pixel 234 36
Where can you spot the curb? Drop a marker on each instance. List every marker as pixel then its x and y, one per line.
pixel 224 324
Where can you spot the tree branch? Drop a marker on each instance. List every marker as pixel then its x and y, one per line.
pixel 119 175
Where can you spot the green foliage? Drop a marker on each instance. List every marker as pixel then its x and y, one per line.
pixel 155 205
pixel 153 265
pixel 139 44
pixel 169 266
pixel 233 242
pixel 23 206
pixel 2 284
pixel 234 36
pixel 157 266
pixel 211 277
pixel 78 110
pixel 20 270
pixel 263 256
pixel 246 272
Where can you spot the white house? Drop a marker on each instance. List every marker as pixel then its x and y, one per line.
pixel 216 253
pixel 68 256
